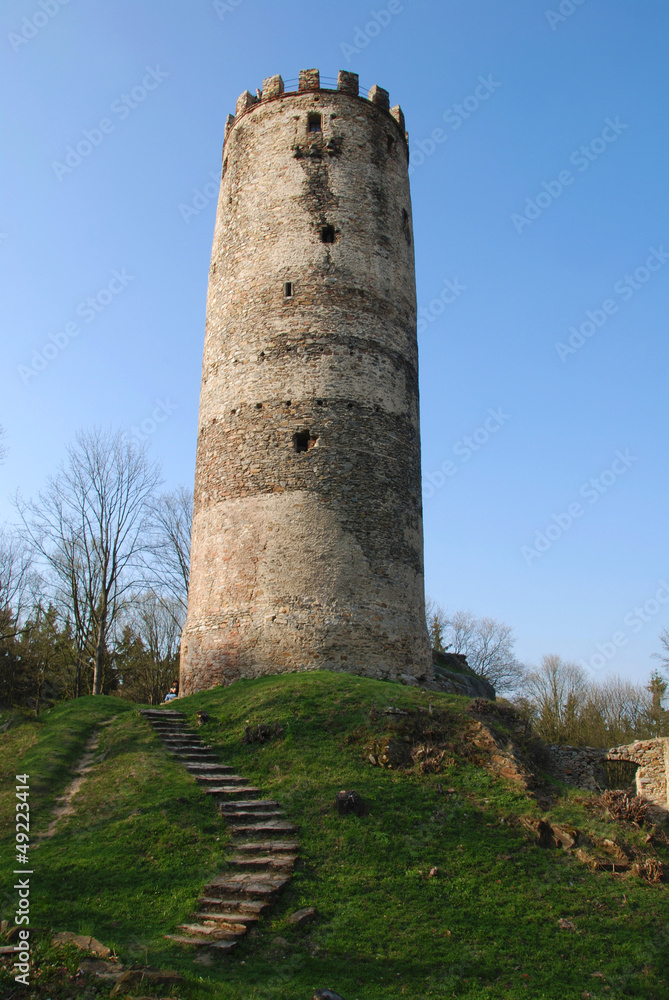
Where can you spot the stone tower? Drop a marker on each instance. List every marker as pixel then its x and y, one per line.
pixel 307 548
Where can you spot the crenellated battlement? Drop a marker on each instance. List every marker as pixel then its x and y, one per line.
pixel 310 81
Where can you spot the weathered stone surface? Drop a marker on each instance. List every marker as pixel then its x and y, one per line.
pixel 309 79
pixel 584 767
pixel 239 906
pixel 278 826
pixel 377 95
pixel 103 970
pixel 200 940
pixel 230 790
pixel 83 942
pixel 348 82
pixel 307 535
pixel 216 933
pixel 268 845
pixel 303 916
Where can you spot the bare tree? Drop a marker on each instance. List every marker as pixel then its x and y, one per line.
pixel 170 562
pixel 147 655
pixel 486 643
pixel 18 582
pixel 90 525
pixel 3 445
pixel 664 655
pixel 555 691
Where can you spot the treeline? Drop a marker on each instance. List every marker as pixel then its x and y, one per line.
pixel 94 579
pixel 562 703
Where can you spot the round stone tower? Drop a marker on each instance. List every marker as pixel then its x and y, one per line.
pixel 307 548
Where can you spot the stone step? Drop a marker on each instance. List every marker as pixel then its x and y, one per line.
pixel 272 826
pixel 231 790
pixel 208 767
pixel 220 772
pixel 255 846
pixel 179 738
pixel 249 804
pixel 276 863
pixel 214 931
pixel 239 908
pixel 229 921
pixel 235 816
pixel 189 757
pixel 162 713
pixel 220 945
pixel 185 746
pixel 249 884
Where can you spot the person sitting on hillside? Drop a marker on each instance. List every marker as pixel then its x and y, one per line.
pixel 173 692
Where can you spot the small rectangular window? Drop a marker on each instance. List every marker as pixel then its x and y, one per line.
pixel 328 234
pixel 314 123
pixel 288 290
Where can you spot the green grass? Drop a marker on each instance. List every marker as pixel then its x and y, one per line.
pixel 128 867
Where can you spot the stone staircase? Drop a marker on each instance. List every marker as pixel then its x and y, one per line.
pixel 264 844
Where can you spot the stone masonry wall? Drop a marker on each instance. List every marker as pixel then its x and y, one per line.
pixel 307 548
pixel 584 767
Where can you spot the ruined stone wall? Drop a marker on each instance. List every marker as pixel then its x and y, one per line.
pixel 307 535
pixel 584 767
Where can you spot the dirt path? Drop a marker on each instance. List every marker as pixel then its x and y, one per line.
pixel 64 805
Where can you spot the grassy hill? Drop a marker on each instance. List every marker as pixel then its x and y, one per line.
pixel 500 917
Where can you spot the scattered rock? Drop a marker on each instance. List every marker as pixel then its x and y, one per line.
pixel 566 925
pixel 202 718
pixel 83 942
pixel 104 970
pixel 326 995
pixel 304 916
pixel 565 836
pixel 550 836
pixel 157 977
pixel 350 802
pixel 540 829
pixel 262 733
pixel 409 679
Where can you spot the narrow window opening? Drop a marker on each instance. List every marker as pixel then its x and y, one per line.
pixel 303 441
pixel 405 216
pixel 314 123
pixel 319 402
pixel 225 167
pixel 258 406
pixel 391 143
pixel 328 234
pixel 288 290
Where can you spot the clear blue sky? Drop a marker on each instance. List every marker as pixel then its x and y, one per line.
pixel 514 94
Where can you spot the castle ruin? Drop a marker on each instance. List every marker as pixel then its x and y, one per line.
pixel 307 546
